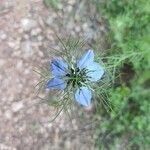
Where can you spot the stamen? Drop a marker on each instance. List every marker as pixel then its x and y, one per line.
pixel 77 77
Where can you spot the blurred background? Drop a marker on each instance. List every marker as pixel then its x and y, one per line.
pixel 119 30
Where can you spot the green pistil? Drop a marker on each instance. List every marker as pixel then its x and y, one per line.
pixel 76 77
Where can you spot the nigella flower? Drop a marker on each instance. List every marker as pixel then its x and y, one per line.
pixel 78 76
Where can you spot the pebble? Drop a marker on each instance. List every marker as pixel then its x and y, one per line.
pixel 77 29
pixel 35 31
pixel 3 35
pixel 40 38
pixel 40 53
pixel 26 71
pixel 2 62
pixel 26 36
pixel 19 64
pixel 15 43
pixel 28 24
pixel 11 44
pixel 85 26
pixel 71 2
pixel 49 20
pixel 26 48
pixel 8 114
pixel 20 30
pixel 69 8
pixel 16 106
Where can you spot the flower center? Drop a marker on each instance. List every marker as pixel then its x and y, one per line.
pixel 76 77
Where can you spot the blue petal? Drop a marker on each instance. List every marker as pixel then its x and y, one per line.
pixel 86 59
pixel 59 67
pixel 95 71
pixel 56 83
pixel 83 96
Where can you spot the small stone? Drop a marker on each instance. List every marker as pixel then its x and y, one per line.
pixel 8 114
pixel 26 71
pixel 40 38
pixel 71 2
pixel 49 20
pixel 20 86
pixel 28 24
pixel 11 44
pixel 26 36
pixel 16 106
pixel 36 31
pixel 3 35
pixel 69 8
pixel 26 48
pixel 77 29
pixel 14 43
pixel 85 26
pixel 40 54
pixel 2 62
pixel 19 65
pixel 20 30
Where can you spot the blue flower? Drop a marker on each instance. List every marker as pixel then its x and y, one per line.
pixel 84 71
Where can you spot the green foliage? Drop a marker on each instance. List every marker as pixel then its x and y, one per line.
pixel 129 58
pixel 51 3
